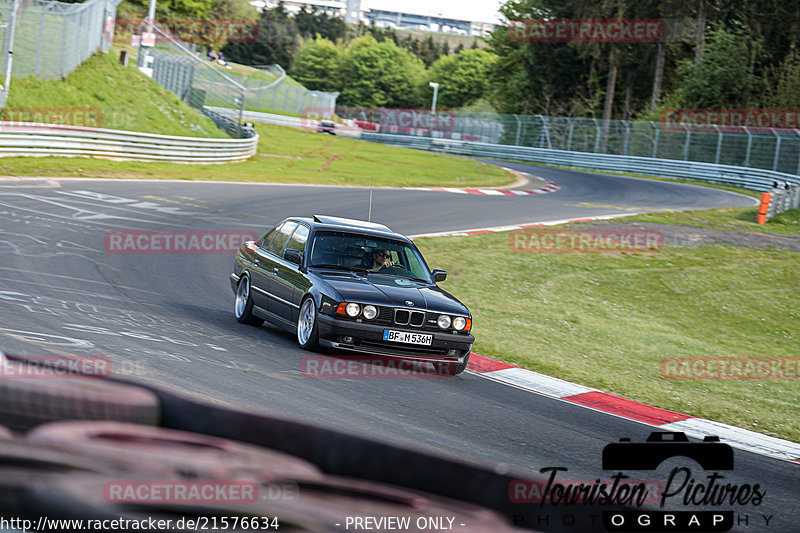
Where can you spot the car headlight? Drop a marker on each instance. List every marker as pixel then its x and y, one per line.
pixel 459 323
pixel 370 312
pixel 352 310
pixel 443 321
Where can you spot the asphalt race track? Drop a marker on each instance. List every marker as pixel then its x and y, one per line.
pixel 167 319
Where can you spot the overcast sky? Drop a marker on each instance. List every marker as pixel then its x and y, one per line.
pixel 477 10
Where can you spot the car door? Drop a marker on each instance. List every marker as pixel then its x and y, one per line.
pixel 272 262
pixel 261 273
pixel 290 283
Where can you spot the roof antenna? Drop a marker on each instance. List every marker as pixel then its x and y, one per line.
pixel 369 214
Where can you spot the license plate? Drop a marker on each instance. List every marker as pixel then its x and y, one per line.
pixel 407 337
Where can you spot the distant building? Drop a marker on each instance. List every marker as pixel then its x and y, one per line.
pixel 353 11
pixel 383 15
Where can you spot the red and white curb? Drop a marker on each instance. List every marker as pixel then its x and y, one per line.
pixel 550 187
pixel 632 410
pixel 496 229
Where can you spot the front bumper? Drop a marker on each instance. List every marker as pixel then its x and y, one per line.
pixel 368 338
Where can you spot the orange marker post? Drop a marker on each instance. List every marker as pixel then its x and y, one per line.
pixel 763 208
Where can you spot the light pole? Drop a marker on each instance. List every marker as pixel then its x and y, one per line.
pixel 435 92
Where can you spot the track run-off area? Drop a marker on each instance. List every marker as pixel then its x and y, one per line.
pixel 167 319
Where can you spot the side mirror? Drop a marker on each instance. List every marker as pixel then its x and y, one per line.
pixel 439 275
pixel 293 256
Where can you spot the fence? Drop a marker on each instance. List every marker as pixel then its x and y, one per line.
pixel 52 38
pixel 750 178
pixel 29 139
pixel 181 68
pixel 764 148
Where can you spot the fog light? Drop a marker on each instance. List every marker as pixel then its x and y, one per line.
pixel 347 340
pixel 452 353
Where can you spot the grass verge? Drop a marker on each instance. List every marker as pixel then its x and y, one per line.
pixel 123 99
pixel 728 218
pixel 289 155
pixel 607 320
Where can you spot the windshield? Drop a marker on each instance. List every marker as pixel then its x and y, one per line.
pixel 358 252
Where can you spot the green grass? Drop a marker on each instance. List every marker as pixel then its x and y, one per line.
pixel 728 218
pixel 124 99
pixel 607 320
pixel 289 155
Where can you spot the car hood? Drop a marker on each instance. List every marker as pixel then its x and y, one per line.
pixel 392 291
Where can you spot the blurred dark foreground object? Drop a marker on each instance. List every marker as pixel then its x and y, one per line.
pixel 320 476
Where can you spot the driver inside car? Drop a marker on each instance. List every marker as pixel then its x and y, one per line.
pixel 377 260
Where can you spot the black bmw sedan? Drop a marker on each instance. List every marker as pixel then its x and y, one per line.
pixel 354 286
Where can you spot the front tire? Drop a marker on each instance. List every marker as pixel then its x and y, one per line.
pixel 243 304
pixel 307 327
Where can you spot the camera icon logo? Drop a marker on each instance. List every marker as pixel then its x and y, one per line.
pixel 711 454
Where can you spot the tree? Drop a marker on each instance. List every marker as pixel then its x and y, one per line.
pixel 317 65
pixel 538 77
pixel 723 77
pixel 786 92
pixel 278 41
pixel 378 74
pixel 462 78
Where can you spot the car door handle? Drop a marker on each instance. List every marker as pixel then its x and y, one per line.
pixel 256 261
pixel 275 269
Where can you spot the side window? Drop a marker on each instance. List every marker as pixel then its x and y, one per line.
pixel 264 242
pixel 277 244
pixel 299 238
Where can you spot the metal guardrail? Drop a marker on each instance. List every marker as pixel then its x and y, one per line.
pixel 279 120
pixel 749 178
pixel 265 118
pixel 229 124
pixel 32 139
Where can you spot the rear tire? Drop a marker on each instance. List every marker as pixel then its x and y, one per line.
pixel 243 304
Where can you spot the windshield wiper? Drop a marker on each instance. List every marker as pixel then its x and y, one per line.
pixel 339 267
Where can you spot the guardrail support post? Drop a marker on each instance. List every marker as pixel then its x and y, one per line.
pixel 519 129
pixel 719 144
